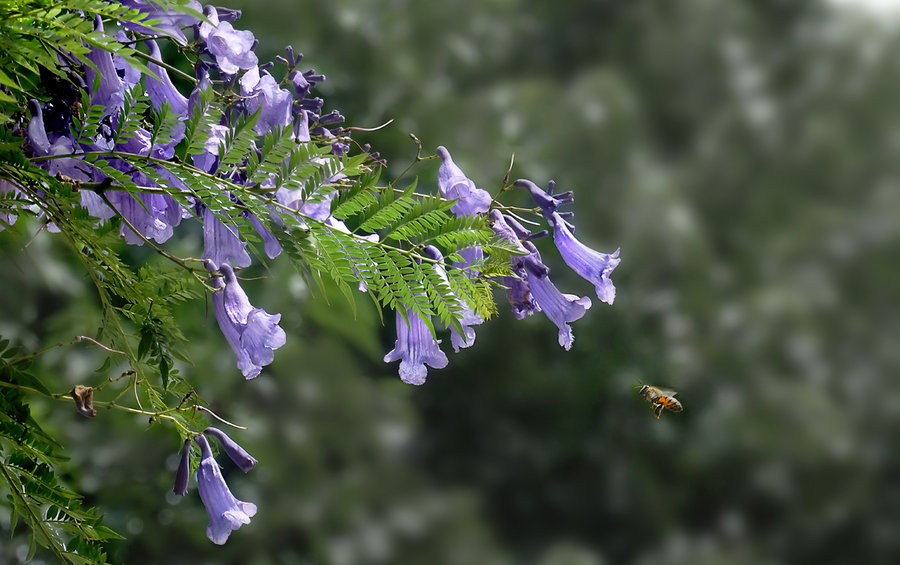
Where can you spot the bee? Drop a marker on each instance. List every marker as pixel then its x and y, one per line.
pixel 660 398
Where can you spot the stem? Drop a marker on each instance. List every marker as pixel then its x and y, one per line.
pixel 217 417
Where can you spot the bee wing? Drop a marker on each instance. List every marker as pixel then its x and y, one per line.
pixel 667 392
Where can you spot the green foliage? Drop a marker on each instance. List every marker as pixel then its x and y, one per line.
pixel 33 490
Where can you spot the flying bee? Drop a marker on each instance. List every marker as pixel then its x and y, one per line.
pixel 660 398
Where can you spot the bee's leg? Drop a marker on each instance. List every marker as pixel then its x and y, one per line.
pixel 658 411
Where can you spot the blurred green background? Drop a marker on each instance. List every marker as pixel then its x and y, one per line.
pixel 744 156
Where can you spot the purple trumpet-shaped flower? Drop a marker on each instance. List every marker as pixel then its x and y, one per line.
pixel 594 266
pixel 270 242
pixel 232 49
pixel 130 75
pixel 226 513
pixel 262 90
pixel 545 199
pixel 468 318
pixel 415 348
pixel 7 218
pixel 163 89
pixel 455 185
pixel 183 474
pixel 209 159
pixel 221 243
pixel 111 91
pixel 252 333
pixel 519 296
pixel 235 452
pixel 560 308
pixel 153 215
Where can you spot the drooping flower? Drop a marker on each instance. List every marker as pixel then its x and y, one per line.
pixel 260 89
pixel 111 91
pixel 183 474
pixel 226 513
pixel 232 49
pixel 270 242
pixel 252 333
pixel 545 199
pixel 7 216
pixel 455 185
pixel 235 452
pixel 560 308
pixel 468 317
pixel 594 266
pixel 519 296
pixel 221 243
pixel 162 89
pixel 415 348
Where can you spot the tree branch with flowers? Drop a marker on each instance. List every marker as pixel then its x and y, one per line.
pixel 100 144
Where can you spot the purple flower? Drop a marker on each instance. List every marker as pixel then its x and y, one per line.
pixel 415 348
pixel 7 218
pixel 235 452
pixel 270 242
pixel 545 199
pixel 226 513
pixel 455 185
pixel 163 89
pixel 594 266
pixel 503 229
pixel 468 316
pixel 560 308
pixel 183 474
pixel 519 296
pixel 232 49
pixel 153 215
pixel 252 333
pixel 221 243
pixel 111 91
pixel 262 90
pixel 209 159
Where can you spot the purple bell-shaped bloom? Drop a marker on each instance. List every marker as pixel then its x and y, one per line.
pixel 232 49
pixel 221 243
pixel 560 308
pixel 455 185
pixel 545 199
pixel 468 316
pixel 163 89
pixel 7 218
pixel 111 92
pixel 519 296
pixel 260 89
pixel 270 242
pixel 594 266
pixel 503 229
pixel 150 215
pixel 235 452
pixel 252 333
pixel 183 474
pixel 226 513
pixel 415 348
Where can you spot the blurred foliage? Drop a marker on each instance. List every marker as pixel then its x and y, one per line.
pixel 742 154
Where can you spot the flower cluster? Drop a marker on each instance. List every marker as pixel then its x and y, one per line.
pixel 111 83
pixel 226 513
pixel 254 158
